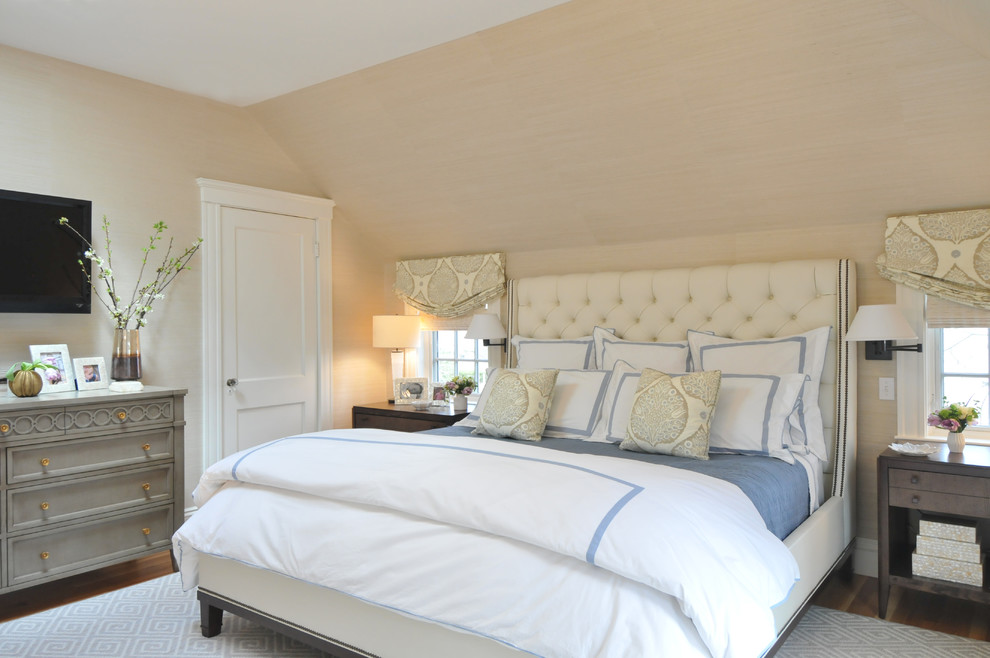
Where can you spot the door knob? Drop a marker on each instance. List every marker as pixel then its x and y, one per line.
pixel 232 382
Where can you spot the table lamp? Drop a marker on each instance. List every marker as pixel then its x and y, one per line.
pixel 396 332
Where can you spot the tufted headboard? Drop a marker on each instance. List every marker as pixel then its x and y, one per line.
pixel 754 300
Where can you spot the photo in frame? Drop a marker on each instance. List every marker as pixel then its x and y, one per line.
pixel 439 396
pixel 61 378
pixel 91 373
pixel 407 389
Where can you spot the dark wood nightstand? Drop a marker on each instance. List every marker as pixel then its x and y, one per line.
pixel 403 417
pixel 947 484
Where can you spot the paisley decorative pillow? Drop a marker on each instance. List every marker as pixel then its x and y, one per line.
pixel 672 415
pixel 518 405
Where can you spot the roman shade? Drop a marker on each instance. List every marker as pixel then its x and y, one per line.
pixel 944 255
pixel 450 286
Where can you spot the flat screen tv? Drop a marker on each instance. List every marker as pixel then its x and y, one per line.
pixel 39 259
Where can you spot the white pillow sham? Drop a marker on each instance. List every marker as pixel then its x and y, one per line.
pixel 801 353
pixel 559 353
pixel 665 357
pixel 575 408
pixel 751 417
pixel 617 404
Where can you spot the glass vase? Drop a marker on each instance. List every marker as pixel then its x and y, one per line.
pixel 125 364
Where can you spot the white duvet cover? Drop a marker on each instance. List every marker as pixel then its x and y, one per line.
pixel 555 554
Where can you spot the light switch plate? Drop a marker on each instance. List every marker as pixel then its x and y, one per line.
pixel 886 388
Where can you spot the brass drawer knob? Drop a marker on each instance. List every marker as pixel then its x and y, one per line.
pixel 121 415
pixel 146 486
pixel 146 531
pixel 4 428
pixel 45 555
pixel 146 447
pixel 45 461
pixel 44 505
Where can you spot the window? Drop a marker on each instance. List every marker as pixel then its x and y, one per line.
pixel 954 364
pixel 963 368
pixel 453 354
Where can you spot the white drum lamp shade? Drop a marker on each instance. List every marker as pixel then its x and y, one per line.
pixel 395 332
pixel 878 326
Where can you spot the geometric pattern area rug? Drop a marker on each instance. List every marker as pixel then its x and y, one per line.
pixel 153 619
pixel 827 633
pixel 156 619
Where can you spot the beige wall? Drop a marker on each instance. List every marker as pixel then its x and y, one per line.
pixel 135 150
pixel 595 135
pixel 604 135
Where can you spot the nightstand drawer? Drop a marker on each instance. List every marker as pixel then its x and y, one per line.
pixel 941 482
pixel 395 423
pixel 40 506
pixel 48 460
pixel 945 503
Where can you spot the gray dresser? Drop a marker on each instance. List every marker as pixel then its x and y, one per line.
pixel 87 479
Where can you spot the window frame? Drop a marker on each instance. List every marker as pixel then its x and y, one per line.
pixel 916 384
pixel 429 339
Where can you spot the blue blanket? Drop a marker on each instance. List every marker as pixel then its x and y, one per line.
pixel 778 490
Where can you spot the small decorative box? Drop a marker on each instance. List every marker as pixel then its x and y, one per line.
pixel 967 573
pixel 948 548
pixel 943 529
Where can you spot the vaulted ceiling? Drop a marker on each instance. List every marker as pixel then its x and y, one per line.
pixel 605 122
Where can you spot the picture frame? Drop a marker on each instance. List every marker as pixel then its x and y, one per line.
pixel 91 373
pixel 439 396
pixel 60 380
pixel 407 389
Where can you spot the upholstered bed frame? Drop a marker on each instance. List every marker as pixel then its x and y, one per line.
pixel 755 300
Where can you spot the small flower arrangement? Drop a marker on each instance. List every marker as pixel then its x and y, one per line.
pixel 143 296
pixel 953 417
pixel 460 385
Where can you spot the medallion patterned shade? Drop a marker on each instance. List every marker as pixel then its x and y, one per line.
pixel 946 255
pixel 450 286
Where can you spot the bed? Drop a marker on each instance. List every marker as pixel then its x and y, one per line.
pixel 492 561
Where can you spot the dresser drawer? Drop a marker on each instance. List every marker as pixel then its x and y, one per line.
pixel 105 416
pixel 47 554
pixel 941 482
pixel 32 423
pixel 69 457
pixel 944 503
pixel 40 506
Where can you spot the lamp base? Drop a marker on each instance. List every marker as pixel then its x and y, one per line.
pixel 398 364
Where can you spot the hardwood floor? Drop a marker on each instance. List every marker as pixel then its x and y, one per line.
pixel 75 588
pixel 857 595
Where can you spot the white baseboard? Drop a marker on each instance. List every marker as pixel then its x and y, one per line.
pixel 865 554
pixel 186 513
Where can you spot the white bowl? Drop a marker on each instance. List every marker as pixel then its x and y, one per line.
pixel 914 449
pixel 421 404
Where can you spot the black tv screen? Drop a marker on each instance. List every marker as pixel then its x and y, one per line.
pixel 39 258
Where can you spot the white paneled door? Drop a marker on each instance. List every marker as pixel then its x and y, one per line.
pixel 269 321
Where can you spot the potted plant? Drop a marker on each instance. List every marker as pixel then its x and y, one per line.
pixel 954 417
pixel 24 380
pixel 460 386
